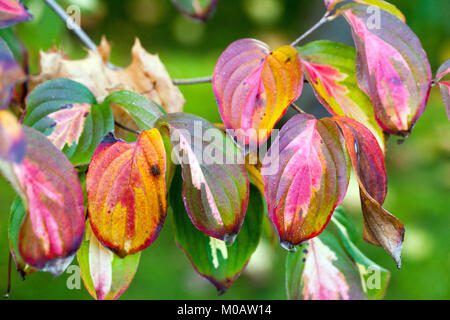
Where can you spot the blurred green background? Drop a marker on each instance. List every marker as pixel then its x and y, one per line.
pixel 419 169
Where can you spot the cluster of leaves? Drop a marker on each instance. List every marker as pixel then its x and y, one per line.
pixel 64 157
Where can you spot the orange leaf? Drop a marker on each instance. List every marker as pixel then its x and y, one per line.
pixel 127 192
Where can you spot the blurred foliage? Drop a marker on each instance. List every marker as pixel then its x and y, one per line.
pixel 419 169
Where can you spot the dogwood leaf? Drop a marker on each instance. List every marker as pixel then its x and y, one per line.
pixel 444 85
pixel 380 227
pixel 105 275
pixel 12 12
pixel 127 192
pixel 215 182
pixel 53 227
pixel 68 114
pixel 310 180
pixel 321 270
pixel 392 67
pixel 254 88
pixel 330 68
pixel 10 72
pixel 213 259
pixel 374 278
pixel 12 140
pixel 196 9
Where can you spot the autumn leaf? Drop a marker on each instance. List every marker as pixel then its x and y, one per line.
pixel 321 270
pixel 127 192
pixel 52 230
pixel 10 74
pixel 105 275
pixel 381 228
pixel 254 88
pixel 215 182
pixel 392 67
pixel 332 4
pixel 12 12
pixel 309 180
pixel 12 140
pixel 330 69
pixel 444 70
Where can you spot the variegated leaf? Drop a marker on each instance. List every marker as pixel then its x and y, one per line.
pixel 373 4
pixel 105 275
pixel 321 270
pixel 215 182
pixel 12 140
pixel 444 85
pixel 374 279
pixel 380 227
pixel 330 68
pixel 254 88
pixel 392 67
pixel 310 179
pixel 53 227
pixel 68 114
pixel 12 12
pixel 213 259
pixel 127 192
pixel 10 74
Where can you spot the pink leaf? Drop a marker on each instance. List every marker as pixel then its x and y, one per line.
pixel 310 179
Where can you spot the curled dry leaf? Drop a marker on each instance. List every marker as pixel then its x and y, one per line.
pixel 127 192
pixel 146 75
pixel 310 181
pixel 380 227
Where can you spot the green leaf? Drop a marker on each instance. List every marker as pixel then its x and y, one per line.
pixel 321 270
pixel 144 111
pixel 212 258
pixel 15 221
pixel 330 69
pixel 105 275
pixel 374 278
pixel 68 114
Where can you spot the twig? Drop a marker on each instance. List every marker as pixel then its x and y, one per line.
pixel 313 28
pixel 76 29
pixel 126 128
pixel 297 108
pixel 8 290
pixel 180 82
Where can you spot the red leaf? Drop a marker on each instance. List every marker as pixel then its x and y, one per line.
pixel 380 227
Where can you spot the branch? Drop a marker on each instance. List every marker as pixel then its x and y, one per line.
pixel 8 290
pixel 324 19
pixel 180 82
pixel 75 29
pixel 297 108
pixel 126 128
